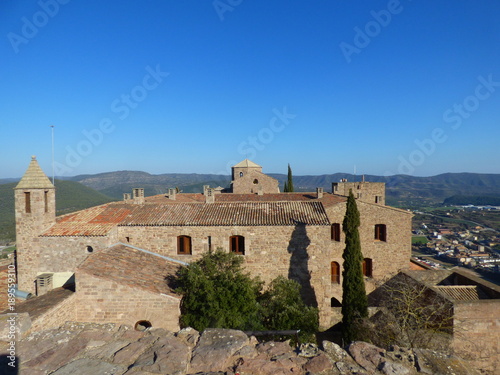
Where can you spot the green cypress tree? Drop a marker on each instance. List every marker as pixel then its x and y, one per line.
pixel 285 188
pixel 354 299
pixel 289 185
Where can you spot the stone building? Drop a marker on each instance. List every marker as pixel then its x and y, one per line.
pixel 297 235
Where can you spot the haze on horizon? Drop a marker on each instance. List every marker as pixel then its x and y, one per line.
pixel 379 87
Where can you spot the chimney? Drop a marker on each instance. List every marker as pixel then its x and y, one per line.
pixel 172 193
pixel 319 192
pixel 260 190
pixel 138 195
pixel 209 196
pixel 205 188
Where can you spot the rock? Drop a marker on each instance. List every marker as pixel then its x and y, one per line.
pixel 14 325
pixel 319 364
pixel 348 368
pixel 393 368
pixel 189 335
pixel 366 355
pixel 215 347
pixel 308 350
pixel 432 362
pixel 335 352
pixel 129 354
pixel 90 366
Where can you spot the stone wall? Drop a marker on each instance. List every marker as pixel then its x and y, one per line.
pixel 56 316
pixel 370 192
pixel 101 300
pixel 303 253
pixel 476 328
pixel 30 224
pixel 253 181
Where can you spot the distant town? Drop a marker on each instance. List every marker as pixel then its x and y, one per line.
pixel 459 236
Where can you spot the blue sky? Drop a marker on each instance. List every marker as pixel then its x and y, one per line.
pixel 380 87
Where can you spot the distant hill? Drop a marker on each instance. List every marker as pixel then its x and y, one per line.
pixel 402 190
pixel 70 196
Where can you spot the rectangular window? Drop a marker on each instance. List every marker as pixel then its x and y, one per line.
pixel 380 232
pixel 336 232
pixel 209 239
pixel 46 200
pixel 184 245
pixel 27 202
pixel 237 244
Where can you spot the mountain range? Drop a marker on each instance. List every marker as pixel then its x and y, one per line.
pixel 401 190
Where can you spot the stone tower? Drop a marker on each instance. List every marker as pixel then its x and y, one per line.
pixel 247 178
pixel 35 207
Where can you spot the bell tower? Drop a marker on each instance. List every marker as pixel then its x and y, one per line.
pixel 35 208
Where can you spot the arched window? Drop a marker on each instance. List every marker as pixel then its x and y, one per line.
pixel 89 249
pixel 380 232
pixel 367 267
pixel 255 182
pixel 237 244
pixel 335 272
pixel 241 174
pixel 334 302
pixel 336 232
pixel 184 245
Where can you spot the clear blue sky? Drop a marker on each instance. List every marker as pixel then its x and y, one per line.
pixel 192 86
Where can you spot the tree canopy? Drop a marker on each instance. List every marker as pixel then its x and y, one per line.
pixel 354 299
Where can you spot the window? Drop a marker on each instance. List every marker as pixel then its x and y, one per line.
pixel 378 199
pixel 241 174
pixel 367 267
pixel 184 245
pixel 335 272
pixel 209 240
pixel 142 325
pixel 27 202
pixel 89 249
pixel 336 232
pixel 380 232
pixel 255 182
pixel 237 244
pixel 46 200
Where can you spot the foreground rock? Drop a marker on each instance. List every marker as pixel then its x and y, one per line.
pixel 79 348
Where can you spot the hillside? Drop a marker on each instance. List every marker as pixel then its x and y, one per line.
pixel 71 196
pixel 402 190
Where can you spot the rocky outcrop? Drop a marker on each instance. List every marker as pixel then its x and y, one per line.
pixel 79 348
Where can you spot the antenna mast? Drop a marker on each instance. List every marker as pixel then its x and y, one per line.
pixel 53 175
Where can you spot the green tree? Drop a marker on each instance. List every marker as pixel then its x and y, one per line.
pixel 217 294
pixel 284 309
pixel 289 182
pixel 354 300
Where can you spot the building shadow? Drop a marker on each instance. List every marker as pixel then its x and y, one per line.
pixel 299 263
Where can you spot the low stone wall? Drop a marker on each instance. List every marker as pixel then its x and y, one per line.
pixel 477 333
pixel 56 316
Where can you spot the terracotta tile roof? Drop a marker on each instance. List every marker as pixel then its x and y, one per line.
pixel 121 263
pixel 95 221
pixel 462 292
pixel 237 213
pixel 190 209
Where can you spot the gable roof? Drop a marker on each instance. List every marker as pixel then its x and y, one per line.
pixel 121 263
pixel 34 178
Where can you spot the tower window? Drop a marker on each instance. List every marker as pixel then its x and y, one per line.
pixel 46 200
pixel 367 267
pixel 237 244
pixel 335 272
pixel 255 182
pixel 380 232
pixel 241 174
pixel 89 249
pixel 184 245
pixel 335 232
pixel 27 202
